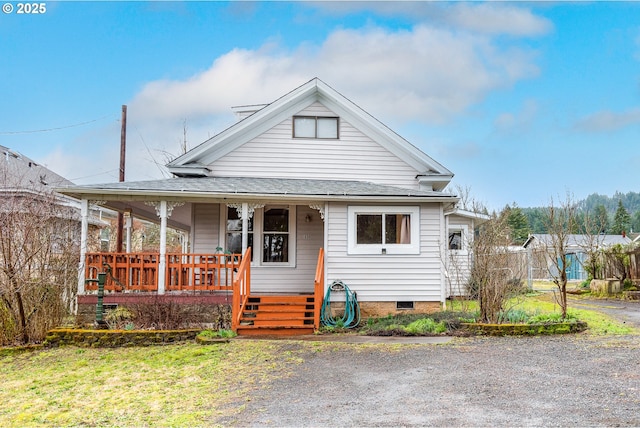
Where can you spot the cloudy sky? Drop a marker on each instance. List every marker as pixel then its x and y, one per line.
pixel 522 101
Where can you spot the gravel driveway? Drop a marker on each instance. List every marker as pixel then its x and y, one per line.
pixel 573 380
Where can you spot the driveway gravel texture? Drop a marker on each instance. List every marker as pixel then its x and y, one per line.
pixel 567 381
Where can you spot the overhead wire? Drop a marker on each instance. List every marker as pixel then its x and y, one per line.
pixel 53 129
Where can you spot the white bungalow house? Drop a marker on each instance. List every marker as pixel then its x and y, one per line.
pixel 299 193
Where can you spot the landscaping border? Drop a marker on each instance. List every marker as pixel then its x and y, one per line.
pixel 116 338
pixel 524 329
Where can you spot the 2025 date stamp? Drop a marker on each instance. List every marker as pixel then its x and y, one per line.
pixel 25 8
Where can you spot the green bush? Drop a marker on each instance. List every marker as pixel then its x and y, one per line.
pixel 555 317
pixel 513 316
pixel 425 326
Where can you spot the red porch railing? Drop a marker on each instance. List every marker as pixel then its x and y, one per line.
pixel 183 272
pixel 201 272
pixel 241 289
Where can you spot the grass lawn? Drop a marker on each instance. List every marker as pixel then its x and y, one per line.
pixel 541 303
pixel 177 385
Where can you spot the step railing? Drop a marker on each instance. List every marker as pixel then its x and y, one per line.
pixel 241 289
pixel 318 289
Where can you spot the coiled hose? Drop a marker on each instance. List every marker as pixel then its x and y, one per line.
pixel 351 316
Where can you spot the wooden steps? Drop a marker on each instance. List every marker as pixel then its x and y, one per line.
pixel 283 315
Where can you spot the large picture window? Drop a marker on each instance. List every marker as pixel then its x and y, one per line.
pixel 315 127
pixel 383 230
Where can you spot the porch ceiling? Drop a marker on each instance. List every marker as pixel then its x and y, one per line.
pixel 243 188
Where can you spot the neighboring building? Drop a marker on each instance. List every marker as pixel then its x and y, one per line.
pixel 311 170
pixel 542 267
pixel 24 181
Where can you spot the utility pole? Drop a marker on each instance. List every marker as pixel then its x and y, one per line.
pixel 123 150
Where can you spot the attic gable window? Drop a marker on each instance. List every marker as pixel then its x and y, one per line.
pixel 315 127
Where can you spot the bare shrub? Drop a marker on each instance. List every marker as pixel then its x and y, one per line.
pixel 560 221
pixel 162 313
pixel 38 256
pixel 495 274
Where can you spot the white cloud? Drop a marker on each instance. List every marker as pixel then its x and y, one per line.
pixel 483 18
pixel 609 121
pixel 491 18
pixel 426 73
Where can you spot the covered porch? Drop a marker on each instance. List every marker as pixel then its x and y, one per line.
pixel 206 278
pixel 277 290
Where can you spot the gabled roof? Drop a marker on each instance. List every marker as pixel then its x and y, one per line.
pixel 196 160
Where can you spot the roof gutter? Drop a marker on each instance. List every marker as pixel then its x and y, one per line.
pixel 149 195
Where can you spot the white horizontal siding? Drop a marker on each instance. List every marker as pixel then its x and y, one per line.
pixel 458 262
pixel 206 226
pixel 387 277
pixel 309 238
pixel 299 279
pixel 354 156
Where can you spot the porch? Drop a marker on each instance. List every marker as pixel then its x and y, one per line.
pixel 213 278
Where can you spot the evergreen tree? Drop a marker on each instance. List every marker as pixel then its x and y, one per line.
pixel 635 222
pixel 621 220
pixel 601 219
pixel 518 224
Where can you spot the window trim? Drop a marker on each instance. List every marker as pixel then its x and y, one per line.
pixel 224 216
pixel 258 227
pixel 464 239
pixel 258 234
pixel 315 118
pixel 381 249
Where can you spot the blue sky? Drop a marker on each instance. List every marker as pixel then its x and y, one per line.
pixel 523 101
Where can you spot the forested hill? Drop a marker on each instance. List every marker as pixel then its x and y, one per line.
pixel 630 200
pixel 596 204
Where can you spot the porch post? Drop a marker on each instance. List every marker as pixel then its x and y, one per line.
pixel 245 226
pixel 127 224
pixel 84 231
pixel 162 265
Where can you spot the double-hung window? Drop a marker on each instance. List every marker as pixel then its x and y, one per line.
pixel 383 230
pixel 276 235
pixel 315 127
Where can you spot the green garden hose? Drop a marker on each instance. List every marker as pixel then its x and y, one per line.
pixel 351 316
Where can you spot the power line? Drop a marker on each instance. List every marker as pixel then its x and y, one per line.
pixel 53 129
pixel 94 175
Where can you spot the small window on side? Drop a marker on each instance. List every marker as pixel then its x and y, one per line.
pixel 455 240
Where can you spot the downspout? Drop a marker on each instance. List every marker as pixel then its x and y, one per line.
pixel 444 220
pixel 326 245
